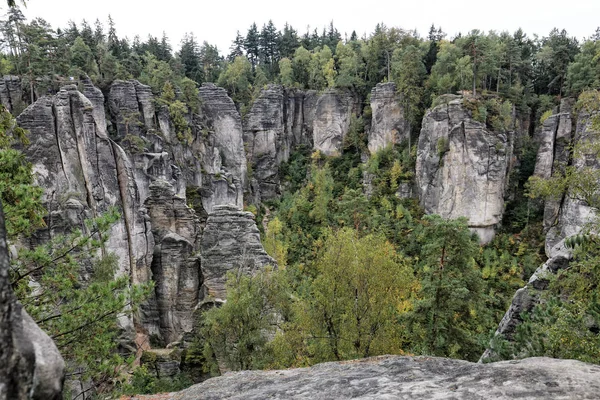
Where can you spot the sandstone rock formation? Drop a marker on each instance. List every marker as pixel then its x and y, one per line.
pixel 574 214
pixel 231 242
pixel 30 365
pixel 523 302
pixel 11 93
pixel 331 121
pixel 389 124
pixel 283 119
pixel 393 377
pixel 266 141
pixel 133 159
pixel 553 152
pixel 462 167
pixel 562 218
pixel 224 147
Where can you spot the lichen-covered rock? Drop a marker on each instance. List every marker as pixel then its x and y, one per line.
pixel 394 377
pixel 331 121
pixel 230 242
pixel 562 218
pixel 137 163
pixel 30 365
pixel 462 167
pixel 83 172
pixel 389 125
pixel 164 363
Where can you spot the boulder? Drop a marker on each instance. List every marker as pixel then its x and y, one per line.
pixel 395 377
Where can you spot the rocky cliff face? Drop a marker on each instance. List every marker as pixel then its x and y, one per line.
pixel 283 119
pixel 30 365
pixel 231 242
pixel 574 214
pixel 331 122
pixel 562 218
pixel 553 152
pixel 389 125
pixel 11 93
pixel 267 139
pixel 393 377
pixel 462 167
pixel 132 158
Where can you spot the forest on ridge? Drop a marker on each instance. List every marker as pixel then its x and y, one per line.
pixel 361 269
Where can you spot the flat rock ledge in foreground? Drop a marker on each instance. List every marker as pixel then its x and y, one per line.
pixel 394 377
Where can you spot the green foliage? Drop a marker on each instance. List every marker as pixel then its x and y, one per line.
pixel 178 111
pixel 349 310
pixel 496 114
pixel 274 242
pixel 442 146
pixel 144 382
pixel 189 94
pixel 408 72
pixel 79 314
pixel 566 322
pixel 236 78
pixel 450 299
pixel 236 331
pixel 286 72
pixel 547 114
pixel 156 73
pixel 294 173
pixel 83 58
pixel 20 198
pixel 584 72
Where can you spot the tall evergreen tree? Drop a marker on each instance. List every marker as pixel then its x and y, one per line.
pixel 252 45
pixel 237 47
pixel 189 55
pixel 288 42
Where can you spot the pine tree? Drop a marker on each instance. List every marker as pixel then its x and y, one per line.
pixel 252 45
pixel 450 297
pixel 237 47
pixel 288 42
pixel 189 55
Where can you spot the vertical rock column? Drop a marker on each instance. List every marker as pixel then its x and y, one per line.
pixel 389 125
pixel 462 168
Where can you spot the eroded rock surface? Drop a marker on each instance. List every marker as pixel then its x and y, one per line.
pixel 389 125
pixel 574 214
pixel 225 139
pixel 132 158
pixel 331 121
pixel 231 242
pixel 11 93
pixel 462 167
pixel 393 377
pixel 553 152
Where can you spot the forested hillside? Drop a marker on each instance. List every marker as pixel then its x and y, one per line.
pixel 307 197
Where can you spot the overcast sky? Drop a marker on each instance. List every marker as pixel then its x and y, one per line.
pixel 217 21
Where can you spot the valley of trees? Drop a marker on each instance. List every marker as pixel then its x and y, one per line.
pixel 360 274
